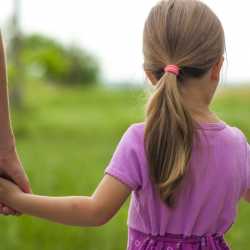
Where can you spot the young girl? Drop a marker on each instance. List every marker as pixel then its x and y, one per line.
pixel 186 168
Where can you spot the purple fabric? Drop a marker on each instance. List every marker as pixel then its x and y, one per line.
pixel 140 241
pixel 218 176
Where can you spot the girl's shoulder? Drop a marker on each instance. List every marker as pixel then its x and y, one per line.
pixel 230 131
pixel 137 129
pixel 137 125
pixel 133 135
pixel 236 132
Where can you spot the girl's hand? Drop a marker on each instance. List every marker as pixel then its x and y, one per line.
pixel 8 190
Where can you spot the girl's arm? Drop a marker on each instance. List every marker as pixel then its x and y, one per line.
pixel 95 210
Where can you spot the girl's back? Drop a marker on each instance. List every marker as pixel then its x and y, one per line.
pixel 208 196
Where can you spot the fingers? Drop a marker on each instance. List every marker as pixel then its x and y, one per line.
pixel 22 181
pixel 11 166
pixel 18 175
pixel 8 211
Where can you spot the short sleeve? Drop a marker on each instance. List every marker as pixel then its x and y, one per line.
pixel 125 164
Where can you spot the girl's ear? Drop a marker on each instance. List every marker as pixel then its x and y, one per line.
pixel 215 73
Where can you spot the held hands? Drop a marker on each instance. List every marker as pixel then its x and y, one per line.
pixel 8 191
pixel 11 169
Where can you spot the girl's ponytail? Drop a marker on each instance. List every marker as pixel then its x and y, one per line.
pixel 188 33
pixel 168 136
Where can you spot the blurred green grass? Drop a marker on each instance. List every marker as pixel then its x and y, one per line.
pixel 66 137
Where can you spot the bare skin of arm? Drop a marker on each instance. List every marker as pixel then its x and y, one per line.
pixel 10 164
pixel 85 211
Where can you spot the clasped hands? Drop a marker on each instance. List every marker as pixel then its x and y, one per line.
pixel 11 169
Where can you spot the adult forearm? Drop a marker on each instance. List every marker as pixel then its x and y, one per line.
pixel 6 134
pixel 71 210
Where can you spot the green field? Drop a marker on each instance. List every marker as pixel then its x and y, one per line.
pixel 66 137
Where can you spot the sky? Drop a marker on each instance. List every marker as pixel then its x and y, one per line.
pixel 112 30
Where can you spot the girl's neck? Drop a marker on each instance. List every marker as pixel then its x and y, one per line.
pixel 197 100
pixel 202 113
pixel 206 118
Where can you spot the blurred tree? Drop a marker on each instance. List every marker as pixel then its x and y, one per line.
pixel 83 66
pixel 47 58
pixel 43 56
pixel 15 65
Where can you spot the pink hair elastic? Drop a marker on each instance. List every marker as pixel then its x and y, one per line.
pixel 172 68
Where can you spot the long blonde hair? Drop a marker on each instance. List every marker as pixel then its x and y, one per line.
pixel 186 33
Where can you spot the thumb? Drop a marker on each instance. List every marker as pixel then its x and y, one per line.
pixel 20 178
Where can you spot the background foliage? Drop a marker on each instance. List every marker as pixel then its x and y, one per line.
pixel 46 58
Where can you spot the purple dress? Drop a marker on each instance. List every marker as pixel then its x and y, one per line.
pixel 207 202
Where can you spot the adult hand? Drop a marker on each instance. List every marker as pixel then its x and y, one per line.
pixel 11 168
